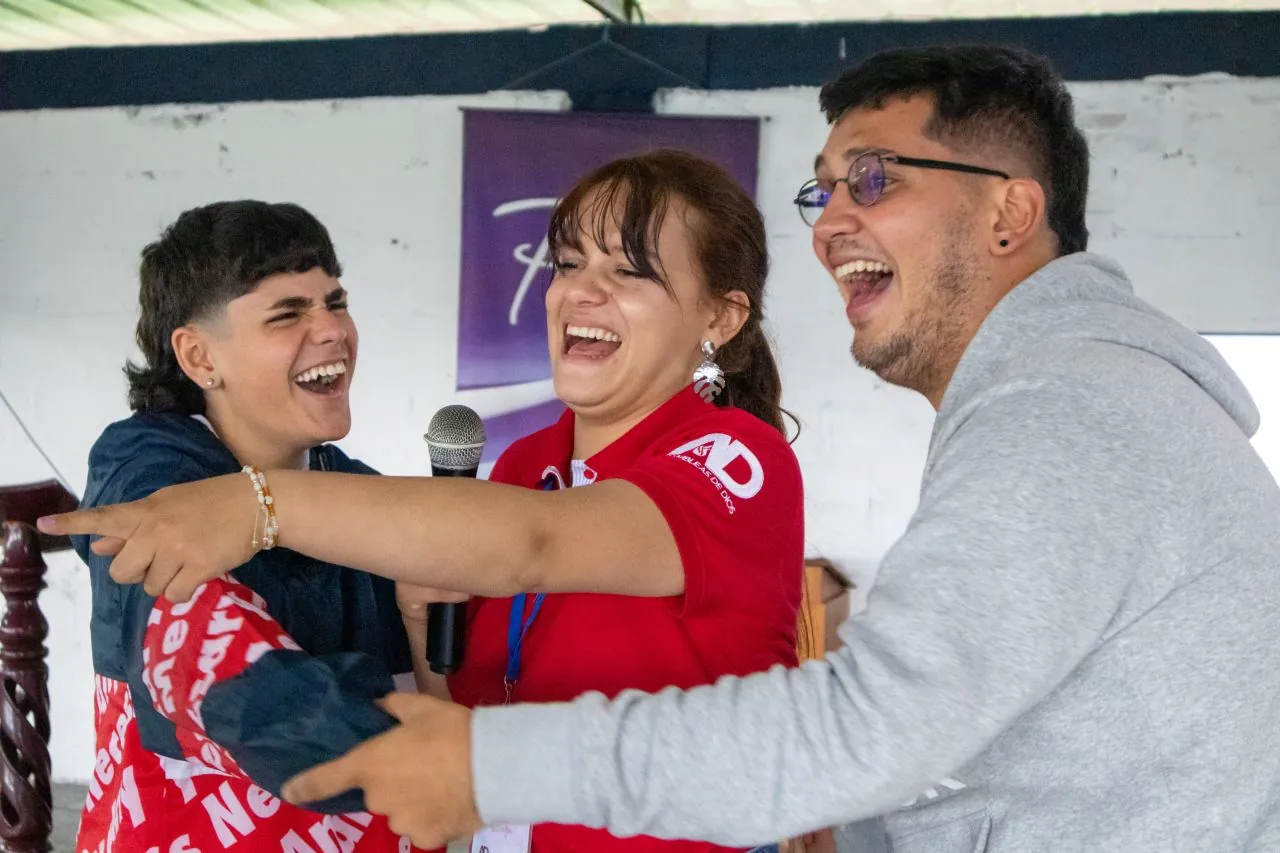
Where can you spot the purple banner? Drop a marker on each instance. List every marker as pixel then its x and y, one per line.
pixel 515 165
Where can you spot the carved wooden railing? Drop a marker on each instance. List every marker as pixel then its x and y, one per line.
pixel 26 801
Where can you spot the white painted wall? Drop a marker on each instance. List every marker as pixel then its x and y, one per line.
pixel 1185 194
pixel 1254 359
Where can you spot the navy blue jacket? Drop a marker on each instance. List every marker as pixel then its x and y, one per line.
pixel 288 710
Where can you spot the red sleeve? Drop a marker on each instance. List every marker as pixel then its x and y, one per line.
pixel 731 494
pixel 190 647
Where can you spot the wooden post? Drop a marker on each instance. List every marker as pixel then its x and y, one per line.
pixel 825 605
pixel 26 797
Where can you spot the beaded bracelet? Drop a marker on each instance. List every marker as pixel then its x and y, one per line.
pixel 271 528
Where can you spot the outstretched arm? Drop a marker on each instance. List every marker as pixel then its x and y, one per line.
pixel 484 538
pixel 469 536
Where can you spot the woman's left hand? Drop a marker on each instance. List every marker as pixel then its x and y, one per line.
pixel 174 540
pixel 414 600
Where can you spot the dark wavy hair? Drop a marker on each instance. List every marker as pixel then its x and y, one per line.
pixel 208 257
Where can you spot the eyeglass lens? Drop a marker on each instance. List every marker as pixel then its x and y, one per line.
pixel 865 182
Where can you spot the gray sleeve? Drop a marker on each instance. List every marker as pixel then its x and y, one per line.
pixel 998 589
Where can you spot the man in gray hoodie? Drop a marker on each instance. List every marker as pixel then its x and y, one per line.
pixel 1076 643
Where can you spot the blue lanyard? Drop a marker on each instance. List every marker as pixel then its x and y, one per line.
pixel 517 625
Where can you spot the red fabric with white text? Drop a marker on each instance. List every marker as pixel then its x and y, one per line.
pixel 141 802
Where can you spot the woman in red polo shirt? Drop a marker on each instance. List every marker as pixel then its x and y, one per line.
pixel 679 557
pixel 722 478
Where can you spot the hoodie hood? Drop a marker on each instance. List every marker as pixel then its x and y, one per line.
pixel 1087 297
pixel 168 448
pixel 165 437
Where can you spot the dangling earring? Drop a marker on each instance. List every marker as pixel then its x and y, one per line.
pixel 708 377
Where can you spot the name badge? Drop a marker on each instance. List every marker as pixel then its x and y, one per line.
pixel 502 839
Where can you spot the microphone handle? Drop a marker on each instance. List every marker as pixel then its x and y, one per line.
pixel 447 623
pixel 446 636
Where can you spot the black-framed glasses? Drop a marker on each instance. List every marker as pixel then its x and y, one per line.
pixel 866 181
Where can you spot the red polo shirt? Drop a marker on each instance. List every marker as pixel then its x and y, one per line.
pixel 730 489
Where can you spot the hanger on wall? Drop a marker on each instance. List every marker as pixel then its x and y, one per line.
pixel 596 81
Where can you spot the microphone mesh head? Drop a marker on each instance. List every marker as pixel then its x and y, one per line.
pixel 455 438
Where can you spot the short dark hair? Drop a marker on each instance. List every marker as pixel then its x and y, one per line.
pixel 634 194
pixel 208 257
pixel 984 94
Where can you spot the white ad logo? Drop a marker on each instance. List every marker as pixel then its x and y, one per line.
pixel 713 454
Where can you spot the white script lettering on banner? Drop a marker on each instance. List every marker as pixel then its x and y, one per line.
pixel 532 261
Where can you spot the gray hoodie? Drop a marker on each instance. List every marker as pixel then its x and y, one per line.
pixel 1074 646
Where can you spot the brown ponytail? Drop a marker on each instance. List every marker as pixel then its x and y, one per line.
pixel 752 381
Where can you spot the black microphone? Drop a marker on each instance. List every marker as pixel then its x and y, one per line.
pixel 455 440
